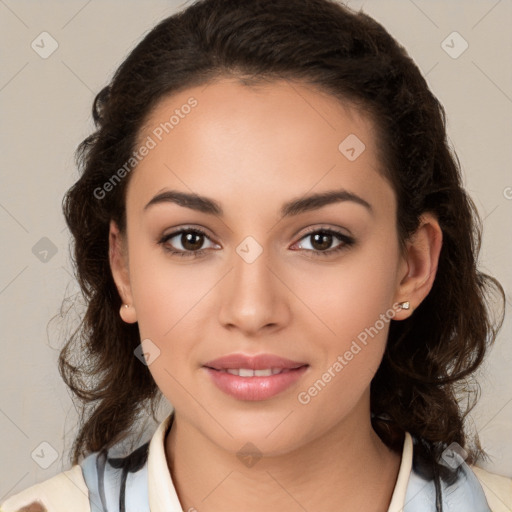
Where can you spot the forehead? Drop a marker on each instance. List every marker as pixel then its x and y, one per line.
pixel 227 140
pixel 225 109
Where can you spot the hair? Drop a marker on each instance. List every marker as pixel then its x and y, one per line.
pixel 430 356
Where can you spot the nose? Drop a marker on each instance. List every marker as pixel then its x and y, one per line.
pixel 253 297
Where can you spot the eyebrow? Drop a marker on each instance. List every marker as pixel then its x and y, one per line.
pixel 291 208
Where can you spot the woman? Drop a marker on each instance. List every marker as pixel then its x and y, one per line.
pixel 271 233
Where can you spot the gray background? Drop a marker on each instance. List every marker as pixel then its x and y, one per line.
pixel 45 106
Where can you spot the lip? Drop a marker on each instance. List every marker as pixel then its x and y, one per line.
pixel 256 362
pixel 254 388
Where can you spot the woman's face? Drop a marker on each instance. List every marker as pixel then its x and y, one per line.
pixel 276 273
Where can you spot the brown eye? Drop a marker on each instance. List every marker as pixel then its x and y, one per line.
pixel 321 241
pixel 191 241
pixel 186 242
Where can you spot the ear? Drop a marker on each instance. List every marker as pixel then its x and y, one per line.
pixel 418 266
pixel 118 257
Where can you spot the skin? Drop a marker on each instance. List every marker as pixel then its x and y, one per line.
pixel 33 507
pixel 252 149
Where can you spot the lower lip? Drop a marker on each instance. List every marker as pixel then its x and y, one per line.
pixel 255 388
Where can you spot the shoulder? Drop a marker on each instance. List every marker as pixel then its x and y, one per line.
pixel 99 482
pixel 446 483
pixel 54 494
pixel 497 489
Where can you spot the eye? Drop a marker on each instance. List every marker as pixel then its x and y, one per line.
pixel 190 239
pixel 322 240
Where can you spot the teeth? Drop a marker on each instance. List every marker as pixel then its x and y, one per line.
pixel 263 373
pixel 247 372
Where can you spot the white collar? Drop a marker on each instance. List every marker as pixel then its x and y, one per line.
pixel 398 498
pixel 163 496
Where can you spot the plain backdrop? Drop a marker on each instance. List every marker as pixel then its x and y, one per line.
pixel 45 113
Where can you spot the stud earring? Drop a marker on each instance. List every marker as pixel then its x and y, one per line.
pixel 404 305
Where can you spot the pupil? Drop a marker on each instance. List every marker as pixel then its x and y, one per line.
pixel 324 240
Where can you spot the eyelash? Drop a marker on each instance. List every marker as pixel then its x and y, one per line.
pixel 346 240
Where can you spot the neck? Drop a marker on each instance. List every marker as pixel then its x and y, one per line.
pixel 348 468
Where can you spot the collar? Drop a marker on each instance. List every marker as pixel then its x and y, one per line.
pixel 161 491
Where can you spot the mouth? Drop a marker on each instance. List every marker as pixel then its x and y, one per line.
pixel 258 362
pixel 254 378
pixel 248 372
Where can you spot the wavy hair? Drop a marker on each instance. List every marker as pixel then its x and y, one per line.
pixel 429 357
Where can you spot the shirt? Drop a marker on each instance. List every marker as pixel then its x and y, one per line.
pixel 141 482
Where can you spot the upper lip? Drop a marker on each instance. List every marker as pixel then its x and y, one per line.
pixel 256 362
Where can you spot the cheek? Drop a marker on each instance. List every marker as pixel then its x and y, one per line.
pixel 166 290
pixel 170 299
pixel 351 306
pixel 348 359
pixel 349 296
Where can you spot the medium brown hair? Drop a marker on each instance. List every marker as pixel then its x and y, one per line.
pixel 430 356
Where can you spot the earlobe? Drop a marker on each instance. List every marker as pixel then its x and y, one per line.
pixel 421 260
pixel 127 313
pixel 119 267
